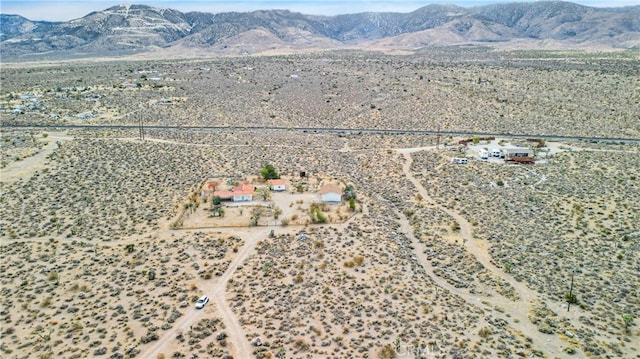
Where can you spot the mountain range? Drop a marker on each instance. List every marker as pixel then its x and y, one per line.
pixel 135 29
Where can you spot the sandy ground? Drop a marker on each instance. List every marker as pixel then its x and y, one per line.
pixel 414 271
pixel 479 249
pixel 438 261
pixel 23 170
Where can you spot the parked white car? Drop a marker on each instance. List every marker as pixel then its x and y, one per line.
pixel 202 302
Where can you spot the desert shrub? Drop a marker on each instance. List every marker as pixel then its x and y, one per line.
pixel 571 298
pixel 151 336
pixel 46 302
pixel 358 260
pixel 387 352
pixel 300 345
pixel 484 332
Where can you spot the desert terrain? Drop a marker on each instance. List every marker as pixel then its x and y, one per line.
pixel 107 242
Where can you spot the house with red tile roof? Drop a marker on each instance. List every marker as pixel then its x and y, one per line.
pixel 240 193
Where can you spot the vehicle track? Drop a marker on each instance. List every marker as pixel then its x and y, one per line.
pixel 240 346
pixel 23 170
pixel 517 309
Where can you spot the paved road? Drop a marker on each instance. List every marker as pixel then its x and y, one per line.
pixel 335 130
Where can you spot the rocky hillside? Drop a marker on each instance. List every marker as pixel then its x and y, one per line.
pixel 15 26
pixel 127 29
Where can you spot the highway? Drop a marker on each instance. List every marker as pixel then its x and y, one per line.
pixel 351 131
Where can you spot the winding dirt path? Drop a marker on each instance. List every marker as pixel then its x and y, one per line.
pixel 23 170
pixel 518 309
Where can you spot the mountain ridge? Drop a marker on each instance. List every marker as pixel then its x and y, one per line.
pixel 136 29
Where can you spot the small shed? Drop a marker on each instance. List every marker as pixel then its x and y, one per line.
pixel 331 193
pixel 277 184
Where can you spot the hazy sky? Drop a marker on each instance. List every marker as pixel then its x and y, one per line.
pixel 56 10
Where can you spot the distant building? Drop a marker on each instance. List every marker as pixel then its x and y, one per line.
pixel 84 116
pixel 331 193
pixel 92 96
pixel 164 101
pixel 277 184
pixel 519 155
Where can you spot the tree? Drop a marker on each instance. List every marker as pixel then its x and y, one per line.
pixel 218 211
pixel 256 213
pixel 316 215
pixel 269 172
pixel 349 192
pixel 216 200
pixel 352 204
pixel 265 193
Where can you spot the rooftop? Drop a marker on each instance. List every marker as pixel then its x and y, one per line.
pixel 330 188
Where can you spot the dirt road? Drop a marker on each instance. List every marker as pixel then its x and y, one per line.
pixel 240 346
pixel 550 344
pixel 24 169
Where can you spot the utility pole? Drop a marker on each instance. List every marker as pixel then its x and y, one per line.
pixel 570 299
pixel 140 127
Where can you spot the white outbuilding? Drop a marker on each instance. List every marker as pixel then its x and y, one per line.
pixel 277 184
pixel 331 193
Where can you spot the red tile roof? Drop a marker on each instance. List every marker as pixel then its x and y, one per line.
pixel 244 188
pixel 241 190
